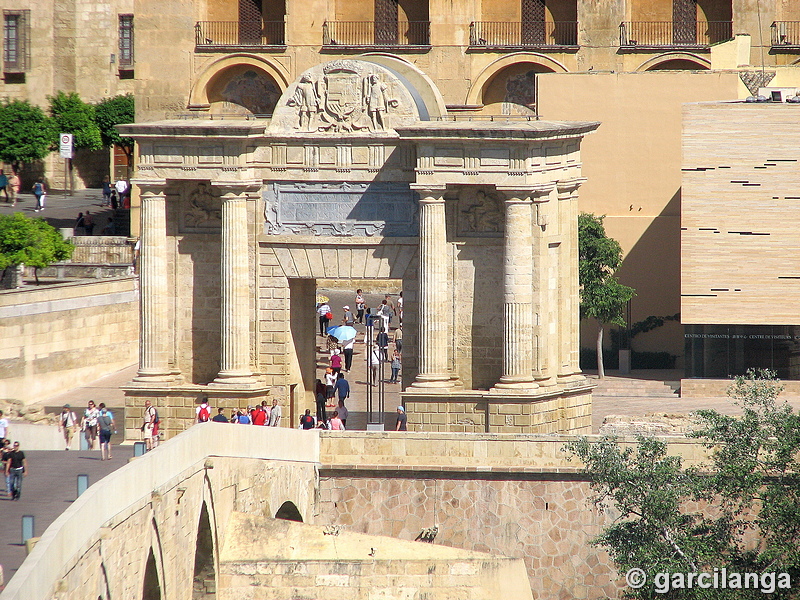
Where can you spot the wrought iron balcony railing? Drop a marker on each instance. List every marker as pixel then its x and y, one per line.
pixel 524 34
pixel 223 34
pixel 785 34
pixel 660 34
pixel 359 34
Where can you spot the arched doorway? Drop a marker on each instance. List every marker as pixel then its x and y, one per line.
pixel 204 582
pixel 288 512
pixel 512 90
pixel 243 89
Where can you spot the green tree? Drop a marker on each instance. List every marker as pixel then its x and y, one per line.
pixel 72 115
pixel 603 297
pixel 32 242
pixel 26 133
pixel 740 512
pixel 115 111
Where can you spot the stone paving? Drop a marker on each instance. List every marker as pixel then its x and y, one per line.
pixel 46 493
pixel 60 210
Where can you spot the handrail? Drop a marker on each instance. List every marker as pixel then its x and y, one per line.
pixel 239 33
pixel 785 33
pixel 669 33
pixel 374 33
pixel 505 34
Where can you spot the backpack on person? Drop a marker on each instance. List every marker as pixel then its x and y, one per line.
pixel 104 422
pixel 204 414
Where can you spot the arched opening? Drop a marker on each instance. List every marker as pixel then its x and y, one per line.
pixel 512 91
pixel 288 512
pixel 678 64
pixel 151 590
pixel 204 583
pixel 243 89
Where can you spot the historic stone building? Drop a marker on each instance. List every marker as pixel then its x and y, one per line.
pixel 355 176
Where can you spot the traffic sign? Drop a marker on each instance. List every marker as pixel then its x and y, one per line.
pixel 65 145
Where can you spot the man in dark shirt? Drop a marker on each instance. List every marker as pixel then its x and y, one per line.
pixel 16 469
pixel 342 388
pixel 402 420
pixel 220 418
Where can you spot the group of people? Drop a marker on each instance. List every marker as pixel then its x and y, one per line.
pixel 97 423
pixel 116 195
pixel 15 466
pixel 260 414
pixel 84 225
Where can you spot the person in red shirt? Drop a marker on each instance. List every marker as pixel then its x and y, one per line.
pixel 259 416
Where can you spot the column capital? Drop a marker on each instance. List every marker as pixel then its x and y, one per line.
pixel 541 191
pixel 237 187
pixel 568 186
pixel 429 191
pixel 513 195
pixel 150 187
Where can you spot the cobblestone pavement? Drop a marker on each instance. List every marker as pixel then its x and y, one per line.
pixel 47 491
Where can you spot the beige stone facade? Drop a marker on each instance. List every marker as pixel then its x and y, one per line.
pixel 57 338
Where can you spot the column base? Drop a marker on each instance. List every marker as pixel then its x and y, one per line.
pixel 156 378
pixel 433 381
pixel 231 380
pixel 513 385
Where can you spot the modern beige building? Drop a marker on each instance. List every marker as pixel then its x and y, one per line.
pixel 739 261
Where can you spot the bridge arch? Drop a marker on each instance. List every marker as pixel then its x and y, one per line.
pixel 288 511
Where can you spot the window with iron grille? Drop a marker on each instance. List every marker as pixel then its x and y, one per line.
pixel 126 42
pixel 16 36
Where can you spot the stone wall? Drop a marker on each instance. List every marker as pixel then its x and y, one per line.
pixel 100 249
pixel 54 338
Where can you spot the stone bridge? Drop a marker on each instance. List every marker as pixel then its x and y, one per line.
pixel 173 523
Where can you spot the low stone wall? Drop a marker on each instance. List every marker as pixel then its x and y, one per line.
pixel 54 338
pixel 563 411
pixel 100 249
pixel 718 388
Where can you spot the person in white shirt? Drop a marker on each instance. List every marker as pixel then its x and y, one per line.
pixel 67 424
pixel 275 414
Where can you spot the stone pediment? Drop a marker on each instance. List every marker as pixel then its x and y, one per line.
pixel 344 97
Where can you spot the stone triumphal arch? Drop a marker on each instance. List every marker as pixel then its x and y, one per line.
pixel 355 176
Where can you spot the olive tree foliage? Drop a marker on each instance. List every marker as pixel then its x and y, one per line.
pixel 26 133
pixel 602 296
pixel 740 512
pixel 72 115
pixel 32 242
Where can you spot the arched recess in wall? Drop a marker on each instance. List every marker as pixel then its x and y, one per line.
pixel 204 583
pixel 676 61
pixel 239 84
pixel 289 512
pixel 151 588
pixel 508 85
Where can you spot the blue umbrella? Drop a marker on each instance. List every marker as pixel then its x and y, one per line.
pixel 342 332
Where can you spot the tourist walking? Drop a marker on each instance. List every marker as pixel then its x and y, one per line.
pixel 348 318
pixel 4 183
pixel 13 187
pixel 396 364
pixel 220 418
pixel 67 424
pixel 5 448
pixel 106 191
pixel 343 412
pixel 321 399
pixel 402 420
pixel 348 354
pixel 383 343
pixel 40 192
pixel 325 316
pixel 307 421
pixel 3 427
pixel 336 362
pixel 203 412
pixel 360 306
pixel 150 423
pixel 89 424
pixel 106 427
pixel 336 423
pixel 342 388
pixel 16 469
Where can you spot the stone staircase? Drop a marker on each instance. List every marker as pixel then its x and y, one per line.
pixel 626 387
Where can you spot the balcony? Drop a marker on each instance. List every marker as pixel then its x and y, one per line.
pixel 542 35
pixel 648 35
pixel 360 35
pixel 786 36
pixel 246 35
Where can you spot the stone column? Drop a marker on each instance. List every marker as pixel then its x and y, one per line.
pixel 568 192
pixel 155 330
pixel 433 290
pixel 235 286
pixel 518 309
pixel 544 370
